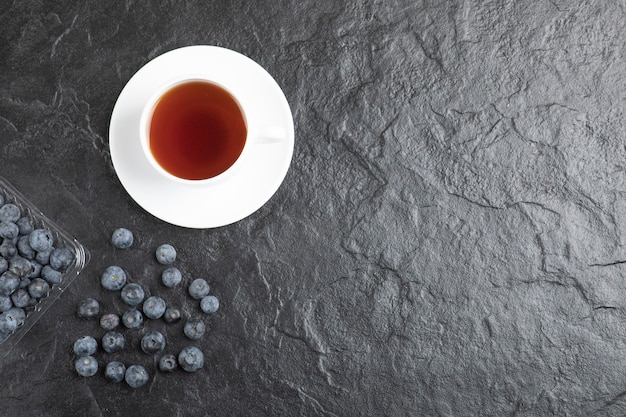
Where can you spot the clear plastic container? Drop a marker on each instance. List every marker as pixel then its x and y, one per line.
pixel 61 239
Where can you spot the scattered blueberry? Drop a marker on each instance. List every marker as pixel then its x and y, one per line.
pixel 167 363
pixel 21 298
pixel 85 346
pixel 10 212
pixel 114 371
pixel 113 342
pixel 9 230
pixel 25 225
pixel 154 307
pixel 4 265
pixel 132 319
pixel 113 278
pixel 109 321
pixel 6 303
pixel 8 323
pixel 61 259
pixel 171 277
pixel 38 288
pixel 198 289
pixel 153 343
pixel 191 359
pixel 88 308
pixel 41 240
pixel 209 304
pixel 172 315
pixel 132 294
pixel 136 376
pixel 166 254
pixel 51 275
pixel 122 238
pixel 9 282
pixel 86 366
pixel 194 329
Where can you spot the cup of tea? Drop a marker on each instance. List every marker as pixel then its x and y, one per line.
pixel 194 130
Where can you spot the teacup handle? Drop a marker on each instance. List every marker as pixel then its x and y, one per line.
pixel 269 134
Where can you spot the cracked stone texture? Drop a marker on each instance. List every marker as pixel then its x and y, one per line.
pixel 449 240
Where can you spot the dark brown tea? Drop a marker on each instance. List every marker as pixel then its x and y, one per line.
pixel 197 130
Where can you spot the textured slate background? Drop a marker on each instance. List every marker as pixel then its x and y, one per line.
pixel 448 241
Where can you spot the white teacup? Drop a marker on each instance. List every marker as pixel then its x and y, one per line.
pixel 195 130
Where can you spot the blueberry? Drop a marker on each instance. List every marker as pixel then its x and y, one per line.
pixel 18 314
pixel 38 288
pixel 9 282
pixel 172 315
pixel 153 343
pixel 24 248
pixel 20 266
pixel 51 275
pixel 109 321
pixel 9 230
pixel 10 213
pixel 154 307
pixel 8 249
pixel 86 366
pixel 191 359
pixel 25 282
pixel 85 346
pixel 122 238
pixel 61 259
pixel 4 265
pixel 166 254
pixel 209 304
pixel 43 257
pixel 132 294
pixel 25 225
pixel 88 308
pixel 6 303
pixel 132 319
pixel 113 278
pixel 8 323
pixel 136 376
pixel 20 298
pixel 194 329
pixel 114 371
pixel 41 240
pixel 1 199
pixel 171 277
pixel 36 269
pixel 199 289
pixel 113 342
pixel 167 363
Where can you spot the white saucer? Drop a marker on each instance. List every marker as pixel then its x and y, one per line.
pixel 238 194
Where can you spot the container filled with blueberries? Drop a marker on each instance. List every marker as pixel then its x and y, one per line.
pixel 38 261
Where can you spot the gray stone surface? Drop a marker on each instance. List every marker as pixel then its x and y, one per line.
pixel 449 240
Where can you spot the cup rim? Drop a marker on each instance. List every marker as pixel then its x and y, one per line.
pixel 146 117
